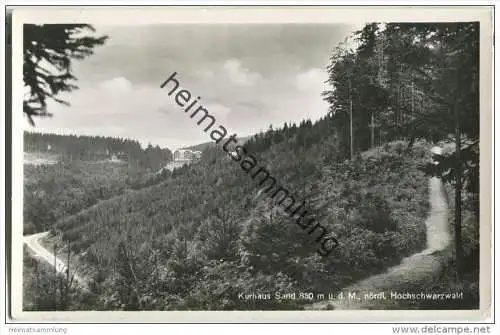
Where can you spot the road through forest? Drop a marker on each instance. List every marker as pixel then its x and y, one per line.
pixel 39 251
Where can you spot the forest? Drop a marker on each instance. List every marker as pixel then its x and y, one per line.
pixel 96 148
pixel 196 238
pixel 84 174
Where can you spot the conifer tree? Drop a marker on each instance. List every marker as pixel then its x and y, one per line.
pixel 49 50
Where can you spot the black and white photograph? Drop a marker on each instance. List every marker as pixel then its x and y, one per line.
pixel 250 166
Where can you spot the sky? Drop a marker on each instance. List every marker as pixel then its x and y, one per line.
pixel 248 76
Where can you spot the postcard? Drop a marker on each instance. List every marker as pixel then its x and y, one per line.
pixel 251 164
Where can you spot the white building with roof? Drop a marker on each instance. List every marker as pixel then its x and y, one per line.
pixel 186 155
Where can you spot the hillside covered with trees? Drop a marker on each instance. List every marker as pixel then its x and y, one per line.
pixel 87 169
pixel 206 230
pixel 414 81
pixel 96 148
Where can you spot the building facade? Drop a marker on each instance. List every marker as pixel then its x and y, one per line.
pixel 186 155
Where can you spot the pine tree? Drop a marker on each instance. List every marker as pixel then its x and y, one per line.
pixel 48 53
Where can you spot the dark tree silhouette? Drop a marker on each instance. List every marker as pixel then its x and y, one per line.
pixel 48 52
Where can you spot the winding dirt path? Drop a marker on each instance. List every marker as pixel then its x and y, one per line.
pixel 412 270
